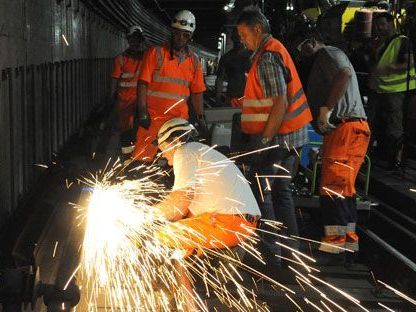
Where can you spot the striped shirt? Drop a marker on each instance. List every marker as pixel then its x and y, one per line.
pixel 274 77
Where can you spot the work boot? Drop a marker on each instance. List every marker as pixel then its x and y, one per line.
pixel 127 142
pixel 330 243
pixel 351 237
pixel 352 241
pixel 334 237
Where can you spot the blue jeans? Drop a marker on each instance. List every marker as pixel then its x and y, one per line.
pixel 278 202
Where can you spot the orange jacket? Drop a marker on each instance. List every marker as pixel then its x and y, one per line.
pixel 256 107
pixel 126 69
pixel 170 82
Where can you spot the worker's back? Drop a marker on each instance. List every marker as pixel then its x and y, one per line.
pixel 219 185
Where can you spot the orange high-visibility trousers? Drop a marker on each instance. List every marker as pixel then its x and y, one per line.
pixel 208 230
pixel 344 150
pixel 145 150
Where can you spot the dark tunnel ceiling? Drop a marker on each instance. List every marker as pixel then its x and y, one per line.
pixel 209 14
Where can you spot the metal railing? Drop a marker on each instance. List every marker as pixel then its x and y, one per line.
pixel 364 173
pixel 41 106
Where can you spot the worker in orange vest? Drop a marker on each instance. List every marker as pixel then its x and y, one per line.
pixel 125 75
pixel 170 75
pixel 274 112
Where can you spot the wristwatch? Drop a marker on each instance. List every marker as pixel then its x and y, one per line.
pixel 265 140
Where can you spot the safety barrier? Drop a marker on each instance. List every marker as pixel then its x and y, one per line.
pixel 40 108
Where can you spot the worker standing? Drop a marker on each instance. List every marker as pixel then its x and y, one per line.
pixel 208 213
pixel 275 112
pixel 333 90
pixel 232 68
pixel 391 79
pixel 170 75
pixel 125 75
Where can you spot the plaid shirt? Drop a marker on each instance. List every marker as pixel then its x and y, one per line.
pixel 274 77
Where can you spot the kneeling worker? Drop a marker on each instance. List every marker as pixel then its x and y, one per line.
pixel 211 203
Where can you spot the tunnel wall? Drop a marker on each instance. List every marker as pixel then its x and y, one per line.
pixel 31 32
pixel 48 87
pixel 55 64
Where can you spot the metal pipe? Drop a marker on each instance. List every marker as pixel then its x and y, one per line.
pixel 395 224
pixel 390 249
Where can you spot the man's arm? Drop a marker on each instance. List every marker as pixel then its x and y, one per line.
pixel 141 94
pixel 219 85
pixel 198 103
pixel 142 117
pixel 196 89
pixel 219 82
pixel 337 90
pixel 402 61
pixel 395 68
pixel 176 205
pixel 275 117
pixel 338 87
pixel 274 77
pixel 147 69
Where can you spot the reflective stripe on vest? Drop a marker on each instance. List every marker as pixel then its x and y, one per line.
pixel 166 95
pixel 396 82
pixel 126 77
pixel 179 83
pixel 158 78
pixel 254 117
pixel 258 103
pixel 296 112
pixel 130 75
pixel 256 107
pixel 127 84
pixel 296 97
pixel 269 103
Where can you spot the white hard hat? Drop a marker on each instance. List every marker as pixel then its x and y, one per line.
pixel 169 127
pixel 184 20
pixel 133 29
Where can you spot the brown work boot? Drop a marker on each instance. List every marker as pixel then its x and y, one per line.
pixel 352 240
pixel 333 244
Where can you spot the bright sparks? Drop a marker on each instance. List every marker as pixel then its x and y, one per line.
pixel 126 268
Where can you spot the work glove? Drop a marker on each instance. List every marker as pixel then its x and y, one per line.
pixel 141 118
pixel 202 128
pixel 324 126
pixel 257 142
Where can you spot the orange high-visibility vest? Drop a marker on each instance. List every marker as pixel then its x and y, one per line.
pixel 169 90
pixel 257 107
pixel 127 70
